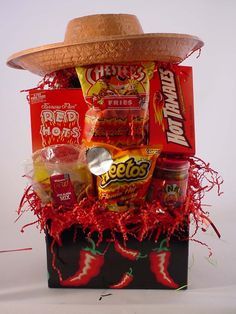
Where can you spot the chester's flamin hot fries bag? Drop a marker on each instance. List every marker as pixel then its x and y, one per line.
pixel 129 176
pixel 117 96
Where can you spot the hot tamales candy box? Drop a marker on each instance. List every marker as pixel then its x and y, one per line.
pixel 57 117
pixel 171 110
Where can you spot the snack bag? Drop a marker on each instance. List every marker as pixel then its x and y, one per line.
pixel 60 175
pixel 128 179
pixel 117 96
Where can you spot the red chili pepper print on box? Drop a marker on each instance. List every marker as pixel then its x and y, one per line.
pixel 125 280
pixel 128 253
pixel 131 265
pixel 90 263
pixel 159 262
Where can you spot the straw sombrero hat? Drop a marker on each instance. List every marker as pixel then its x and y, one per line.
pixel 105 38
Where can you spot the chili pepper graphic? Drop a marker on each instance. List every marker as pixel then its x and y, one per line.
pixel 90 263
pixel 159 261
pixel 130 254
pixel 125 280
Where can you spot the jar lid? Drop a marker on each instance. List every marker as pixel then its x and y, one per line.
pixel 172 164
pixel 57 154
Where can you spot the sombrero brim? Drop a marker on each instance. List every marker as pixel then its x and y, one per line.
pixel 162 47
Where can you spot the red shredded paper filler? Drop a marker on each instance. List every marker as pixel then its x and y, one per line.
pixel 145 221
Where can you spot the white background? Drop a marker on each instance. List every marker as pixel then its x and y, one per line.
pixel 23 277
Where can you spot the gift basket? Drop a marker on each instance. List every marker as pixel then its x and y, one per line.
pixel 113 181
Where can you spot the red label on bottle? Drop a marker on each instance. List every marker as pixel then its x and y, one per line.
pixel 171 193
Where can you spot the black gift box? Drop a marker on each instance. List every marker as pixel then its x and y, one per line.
pixel 154 268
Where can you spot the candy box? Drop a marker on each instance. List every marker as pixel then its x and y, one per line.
pixel 79 263
pixel 57 116
pixel 171 110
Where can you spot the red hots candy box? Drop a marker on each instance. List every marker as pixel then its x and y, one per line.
pixel 57 117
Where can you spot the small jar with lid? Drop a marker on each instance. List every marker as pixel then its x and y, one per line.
pixel 170 182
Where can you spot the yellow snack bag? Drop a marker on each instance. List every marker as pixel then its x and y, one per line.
pixel 128 179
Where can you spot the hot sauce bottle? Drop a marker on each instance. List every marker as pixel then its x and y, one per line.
pixel 169 183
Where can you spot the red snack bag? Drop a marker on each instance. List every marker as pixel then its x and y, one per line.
pixel 118 97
